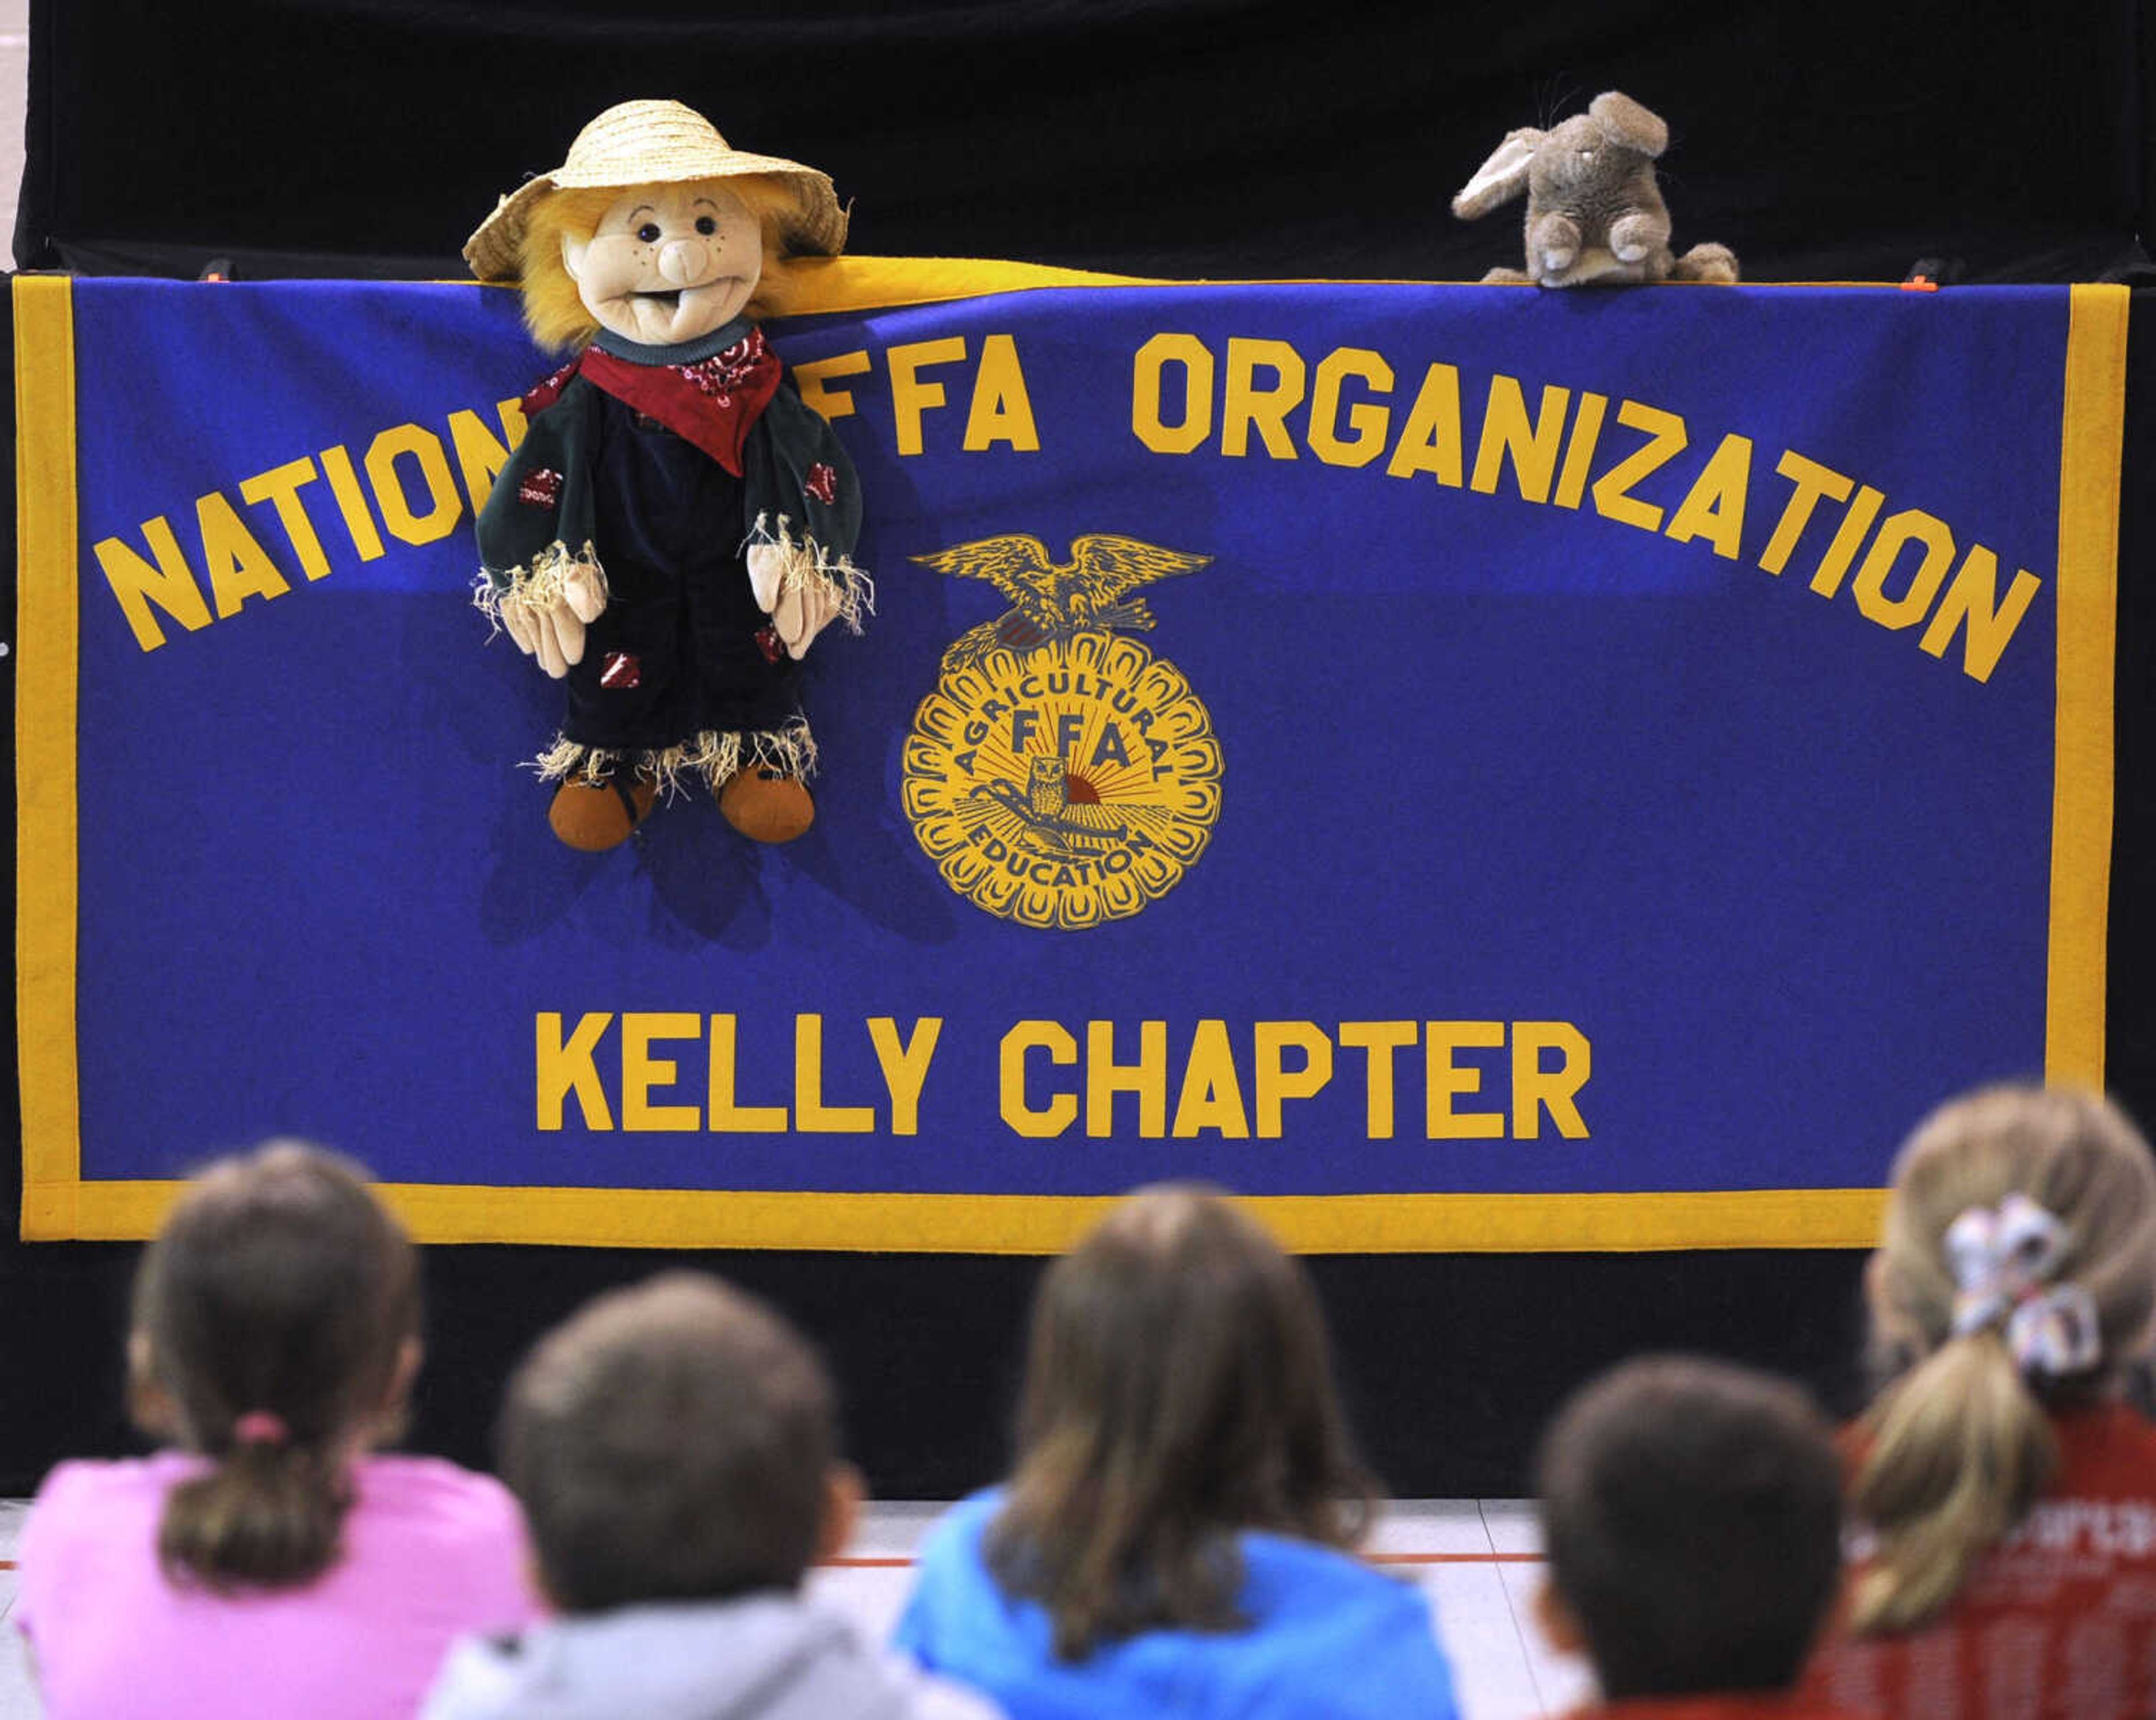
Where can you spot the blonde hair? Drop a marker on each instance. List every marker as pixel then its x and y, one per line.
pixel 1961 1442
pixel 553 310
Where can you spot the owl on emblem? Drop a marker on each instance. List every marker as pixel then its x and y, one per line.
pixel 1052 600
pixel 1047 789
pixel 1045 806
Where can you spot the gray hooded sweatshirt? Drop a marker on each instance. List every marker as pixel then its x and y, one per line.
pixel 768 1656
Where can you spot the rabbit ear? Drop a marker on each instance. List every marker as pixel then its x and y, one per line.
pixel 1501 178
pixel 1625 121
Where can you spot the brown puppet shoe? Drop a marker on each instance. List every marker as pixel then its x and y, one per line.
pixel 594 817
pixel 765 805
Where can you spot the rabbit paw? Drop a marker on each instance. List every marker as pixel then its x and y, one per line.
pixel 1633 237
pixel 1553 245
pixel 1714 263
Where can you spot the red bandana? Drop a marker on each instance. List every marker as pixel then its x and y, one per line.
pixel 712 403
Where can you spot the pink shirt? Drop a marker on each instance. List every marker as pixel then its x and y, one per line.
pixel 430 1551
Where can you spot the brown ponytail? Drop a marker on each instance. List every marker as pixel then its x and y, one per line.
pixel 1961 1441
pixel 270 1317
pixel 267 1515
pixel 1178 1388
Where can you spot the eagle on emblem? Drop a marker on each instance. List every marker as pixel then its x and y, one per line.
pixel 1052 601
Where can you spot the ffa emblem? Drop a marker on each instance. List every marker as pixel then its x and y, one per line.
pixel 1059 775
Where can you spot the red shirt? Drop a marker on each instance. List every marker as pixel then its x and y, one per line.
pixel 2058 1619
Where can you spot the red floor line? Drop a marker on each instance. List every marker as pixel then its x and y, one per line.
pixel 851 1563
pixel 900 1564
pixel 1452 1557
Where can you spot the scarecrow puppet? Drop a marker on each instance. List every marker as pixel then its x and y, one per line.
pixel 676 525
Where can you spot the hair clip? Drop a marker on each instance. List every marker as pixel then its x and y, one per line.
pixel 260 1427
pixel 2002 1262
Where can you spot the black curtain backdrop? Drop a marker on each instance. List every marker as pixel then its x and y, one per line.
pixel 1837 140
pixel 1191 138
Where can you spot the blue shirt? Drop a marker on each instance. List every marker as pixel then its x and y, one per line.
pixel 1328 1637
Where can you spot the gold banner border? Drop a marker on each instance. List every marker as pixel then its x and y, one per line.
pixel 58 1204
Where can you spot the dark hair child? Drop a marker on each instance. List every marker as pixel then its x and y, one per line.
pixel 269 1562
pixel 1176 1535
pixel 675 1447
pixel 1692 1514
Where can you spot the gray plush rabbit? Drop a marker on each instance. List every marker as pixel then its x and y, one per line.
pixel 1594 213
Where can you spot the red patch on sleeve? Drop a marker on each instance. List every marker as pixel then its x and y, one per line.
pixel 621 670
pixel 540 488
pixel 767 642
pixel 822 483
pixel 545 393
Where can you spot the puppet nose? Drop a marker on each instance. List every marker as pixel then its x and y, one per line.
pixel 684 261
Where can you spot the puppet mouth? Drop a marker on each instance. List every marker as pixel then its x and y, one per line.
pixel 666 315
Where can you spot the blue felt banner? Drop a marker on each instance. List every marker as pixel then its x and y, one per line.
pixel 1492 750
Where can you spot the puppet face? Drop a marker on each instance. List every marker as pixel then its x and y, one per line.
pixel 668 263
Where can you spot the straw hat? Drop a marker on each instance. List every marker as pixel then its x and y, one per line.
pixel 655 143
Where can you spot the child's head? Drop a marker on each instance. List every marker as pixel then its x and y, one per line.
pixel 2017 1271
pixel 675 1441
pixel 1179 1387
pixel 1691 1516
pixel 275 1331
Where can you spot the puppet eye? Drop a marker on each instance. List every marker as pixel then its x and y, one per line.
pixel 706 226
pixel 648 232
